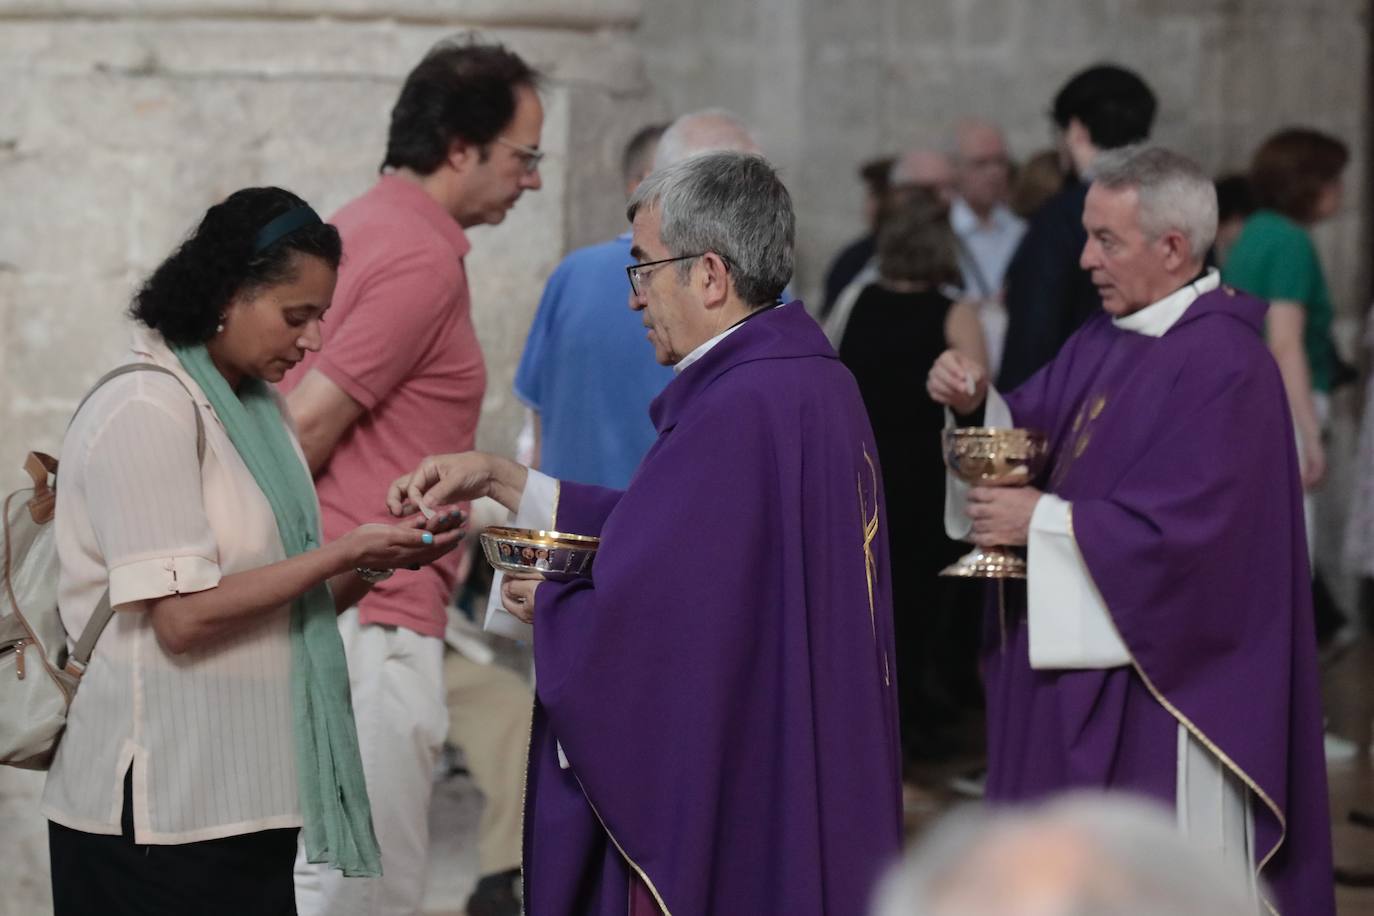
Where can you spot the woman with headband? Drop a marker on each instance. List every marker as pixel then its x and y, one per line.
pixel 214 722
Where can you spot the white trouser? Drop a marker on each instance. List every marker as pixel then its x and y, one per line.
pixel 397 677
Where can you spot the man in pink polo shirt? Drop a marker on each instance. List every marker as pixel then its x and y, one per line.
pixel 401 376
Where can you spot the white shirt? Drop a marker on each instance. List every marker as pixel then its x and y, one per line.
pixel 988 246
pixel 707 346
pixel 208 733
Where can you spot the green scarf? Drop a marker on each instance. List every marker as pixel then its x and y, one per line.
pixel 334 805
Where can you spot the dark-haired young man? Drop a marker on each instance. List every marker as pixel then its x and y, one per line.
pixel 403 377
pixel 1047 294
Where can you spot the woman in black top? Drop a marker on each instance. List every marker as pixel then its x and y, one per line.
pixel 899 324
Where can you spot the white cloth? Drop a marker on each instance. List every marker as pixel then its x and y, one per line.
pixel 397 680
pixel 538 509
pixel 208 733
pixel 1069 624
pixel 988 246
pixel 1213 809
pixel 1155 319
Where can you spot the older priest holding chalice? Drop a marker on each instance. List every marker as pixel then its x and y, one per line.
pixel 716 724
pixel 1163 644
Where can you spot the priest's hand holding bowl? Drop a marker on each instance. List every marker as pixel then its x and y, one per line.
pixel 517 596
pixel 957 382
pixel 1001 515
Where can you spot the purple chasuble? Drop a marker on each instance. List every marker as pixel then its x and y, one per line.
pixel 1177 455
pixel 723 689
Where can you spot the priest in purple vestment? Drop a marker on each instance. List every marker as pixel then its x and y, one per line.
pixel 1163 644
pixel 715 729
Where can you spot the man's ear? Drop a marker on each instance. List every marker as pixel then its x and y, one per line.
pixel 715 279
pixel 1177 249
pixel 462 155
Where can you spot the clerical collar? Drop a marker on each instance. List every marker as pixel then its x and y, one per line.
pixel 1155 319
pixel 705 348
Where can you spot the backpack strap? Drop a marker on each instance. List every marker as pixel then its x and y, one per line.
pixel 43 502
pixel 81 654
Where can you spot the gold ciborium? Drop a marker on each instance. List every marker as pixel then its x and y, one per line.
pixel 982 456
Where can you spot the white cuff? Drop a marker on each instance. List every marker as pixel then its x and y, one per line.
pixel 160 577
pixel 997 415
pixel 538 510
pixel 1070 626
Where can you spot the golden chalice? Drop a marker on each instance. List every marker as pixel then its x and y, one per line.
pixel 986 457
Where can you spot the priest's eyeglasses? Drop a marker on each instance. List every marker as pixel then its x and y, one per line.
pixel 529 156
pixel 639 273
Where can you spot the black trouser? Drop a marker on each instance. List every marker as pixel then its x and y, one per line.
pixel 112 875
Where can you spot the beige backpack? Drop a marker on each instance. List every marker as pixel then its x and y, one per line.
pixel 38 679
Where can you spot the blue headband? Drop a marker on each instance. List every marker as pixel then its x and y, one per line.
pixel 282 226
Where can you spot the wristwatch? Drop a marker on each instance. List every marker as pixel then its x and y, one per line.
pixel 373 576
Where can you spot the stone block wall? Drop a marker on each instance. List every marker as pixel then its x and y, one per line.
pixel 120 122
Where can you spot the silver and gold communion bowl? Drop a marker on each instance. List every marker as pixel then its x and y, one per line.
pixel 547 554
pixel 982 456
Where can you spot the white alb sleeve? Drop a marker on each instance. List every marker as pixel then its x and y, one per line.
pixel 537 505
pixel 1070 626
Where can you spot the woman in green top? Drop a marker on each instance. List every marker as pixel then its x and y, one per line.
pixel 1296 179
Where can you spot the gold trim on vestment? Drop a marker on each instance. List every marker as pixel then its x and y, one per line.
pixel 524 800
pixel 643 876
pixel 870 564
pixel 553 523
pixel 1201 737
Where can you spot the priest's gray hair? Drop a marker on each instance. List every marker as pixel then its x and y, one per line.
pixel 733 204
pixel 1084 854
pixel 706 131
pixel 1175 194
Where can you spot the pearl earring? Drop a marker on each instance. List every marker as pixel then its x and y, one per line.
pixel 219 328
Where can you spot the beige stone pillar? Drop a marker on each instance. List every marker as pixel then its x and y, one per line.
pixel 121 121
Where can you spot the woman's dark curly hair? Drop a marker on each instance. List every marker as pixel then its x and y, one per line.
pixel 184 299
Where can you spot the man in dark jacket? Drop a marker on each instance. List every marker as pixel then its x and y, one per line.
pixel 1048 295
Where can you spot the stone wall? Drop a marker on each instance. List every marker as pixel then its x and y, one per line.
pixel 121 122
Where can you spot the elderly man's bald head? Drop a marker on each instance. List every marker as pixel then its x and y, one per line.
pixel 1083 855
pixel 707 131
pixel 925 168
pixel 982 167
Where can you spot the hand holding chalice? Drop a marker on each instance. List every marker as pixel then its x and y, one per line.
pixel 983 456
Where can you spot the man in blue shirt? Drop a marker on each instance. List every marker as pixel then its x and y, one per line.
pixel 587 372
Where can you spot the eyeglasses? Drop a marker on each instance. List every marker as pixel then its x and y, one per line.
pixel 638 272
pixel 529 156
